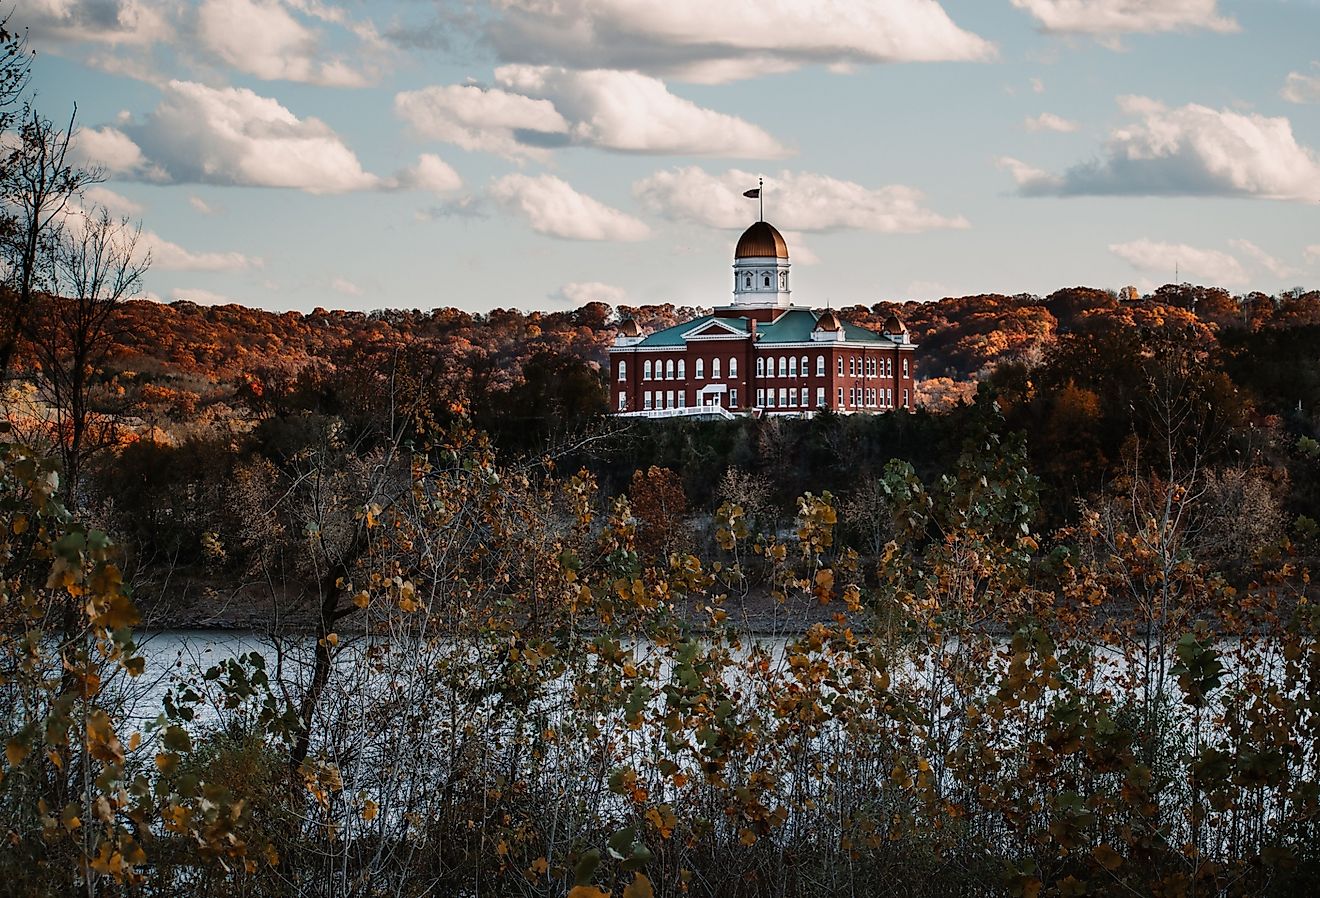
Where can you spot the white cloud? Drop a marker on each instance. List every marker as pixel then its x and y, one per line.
pixel 634 113
pixel 536 108
pixel 1274 266
pixel 1112 17
pixel 551 206
pixel 166 255
pixel 1299 88
pixel 343 285
pixel 801 201
pixel 231 136
pixel 1312 252
pixel 479 118
pixel 261 38
pixel 116 204
pixel 1189 150
pixel 432 173
pixel 111 149
pixel 698 40
pixel 114 22
pixel 579 293
pixel 1026 175
pixel 1048 121
pixel 1037 86
pixel 1211 266
pixel 169 256
pixel 803 254
pixel 202 205
pixel 200 296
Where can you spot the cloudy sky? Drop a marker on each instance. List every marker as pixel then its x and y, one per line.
pixel 290 154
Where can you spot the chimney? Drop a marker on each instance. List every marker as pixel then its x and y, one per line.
pixel 751 328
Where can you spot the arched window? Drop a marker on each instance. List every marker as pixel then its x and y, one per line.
pixel 841 375
pixel 783 366
pixel 820 366
pixel 623 369
pixel 852 366
pixel 767 281
pixel 682 369
pixel 701 368
pixel 747 282
pixel 905 368
pixel 733 367
pixel 760 367
pixel 783 285
pixel 669 369
pixel 792 367
pixel 646 371
pixel 715 369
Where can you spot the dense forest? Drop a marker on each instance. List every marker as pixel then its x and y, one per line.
pixel 1052 633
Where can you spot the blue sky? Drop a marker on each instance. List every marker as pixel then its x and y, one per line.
pixel 289 154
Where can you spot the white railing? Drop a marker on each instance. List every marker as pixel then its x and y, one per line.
pixel 691 411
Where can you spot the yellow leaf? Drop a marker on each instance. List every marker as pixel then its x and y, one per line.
pixel 539 866
pixel 1107 857
pixel 361 599
pixel 587 892
pixel 15 752
pixel 369 811
pixel 640 888
pixel 20 524
pixel 747 837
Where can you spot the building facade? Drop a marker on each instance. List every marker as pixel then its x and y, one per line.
pixel 761 354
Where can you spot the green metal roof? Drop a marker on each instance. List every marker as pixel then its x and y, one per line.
pixel 855 333
pixel 793 326
pixel 673 336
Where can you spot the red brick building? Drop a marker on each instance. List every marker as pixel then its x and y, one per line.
pixel 761 354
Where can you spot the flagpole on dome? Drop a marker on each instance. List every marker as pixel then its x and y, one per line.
pixel 758 193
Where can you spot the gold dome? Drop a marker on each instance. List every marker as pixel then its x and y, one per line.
pixel 630 328
pixel 761 241
pixel 828 321
pixel 893 325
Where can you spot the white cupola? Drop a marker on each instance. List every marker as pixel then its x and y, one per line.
pixel 760 268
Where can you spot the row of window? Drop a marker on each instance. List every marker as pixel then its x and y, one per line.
pixel 870 397
pixel 857 397
pixel 857 367
pixel 668 370
pixel 672 399
pixel 786 397
pixel 788 367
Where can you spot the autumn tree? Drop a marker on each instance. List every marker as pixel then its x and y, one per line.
pixel 38 181
pixel 94 265
pixel 660 505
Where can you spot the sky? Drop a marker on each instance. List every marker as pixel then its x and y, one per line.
pixel 540 154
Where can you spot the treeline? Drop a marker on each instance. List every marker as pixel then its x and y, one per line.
pixel 1093 403
pixel 173 363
